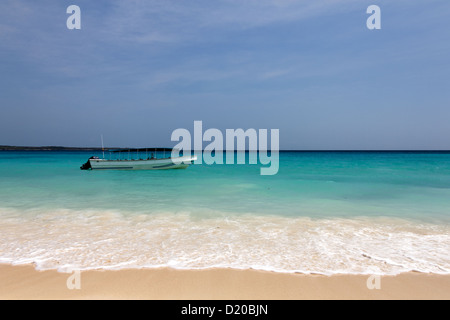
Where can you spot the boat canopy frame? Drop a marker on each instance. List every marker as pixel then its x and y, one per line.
pixel 153 152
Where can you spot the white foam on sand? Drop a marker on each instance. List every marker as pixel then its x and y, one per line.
pixel 69 240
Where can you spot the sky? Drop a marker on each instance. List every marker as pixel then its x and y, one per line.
pixel 139 69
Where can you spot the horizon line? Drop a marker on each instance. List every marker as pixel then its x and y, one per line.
pixel 56 148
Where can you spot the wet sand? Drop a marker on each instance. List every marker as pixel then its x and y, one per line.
pixel 24 282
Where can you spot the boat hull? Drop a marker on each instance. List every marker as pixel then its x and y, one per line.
pixel 149 164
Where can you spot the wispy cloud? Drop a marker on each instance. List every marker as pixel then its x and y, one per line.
pixel 172 20
pixel 147 27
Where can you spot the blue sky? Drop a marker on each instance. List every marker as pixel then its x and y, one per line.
pixel 137 70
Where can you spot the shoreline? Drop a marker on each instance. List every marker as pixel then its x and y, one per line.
pixel 24 282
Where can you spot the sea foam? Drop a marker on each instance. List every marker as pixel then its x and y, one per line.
pixel 69 240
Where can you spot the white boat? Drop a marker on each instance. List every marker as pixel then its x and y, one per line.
pixel 148 163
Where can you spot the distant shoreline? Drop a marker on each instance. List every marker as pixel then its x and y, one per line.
pixel 60 148
pixel 47 148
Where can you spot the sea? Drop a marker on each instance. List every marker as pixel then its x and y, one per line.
pixel 323 213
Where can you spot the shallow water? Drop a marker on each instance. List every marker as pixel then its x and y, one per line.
pixel 324 212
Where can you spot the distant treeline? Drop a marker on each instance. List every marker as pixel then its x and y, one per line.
pixel 59 148
pixel 46 148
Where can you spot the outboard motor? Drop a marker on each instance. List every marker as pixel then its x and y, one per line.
pixel 87 165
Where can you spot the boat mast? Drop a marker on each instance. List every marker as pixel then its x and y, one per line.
pixel 103 149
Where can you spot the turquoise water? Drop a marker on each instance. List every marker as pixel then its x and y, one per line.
pixel 406 185
pixel 324 212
